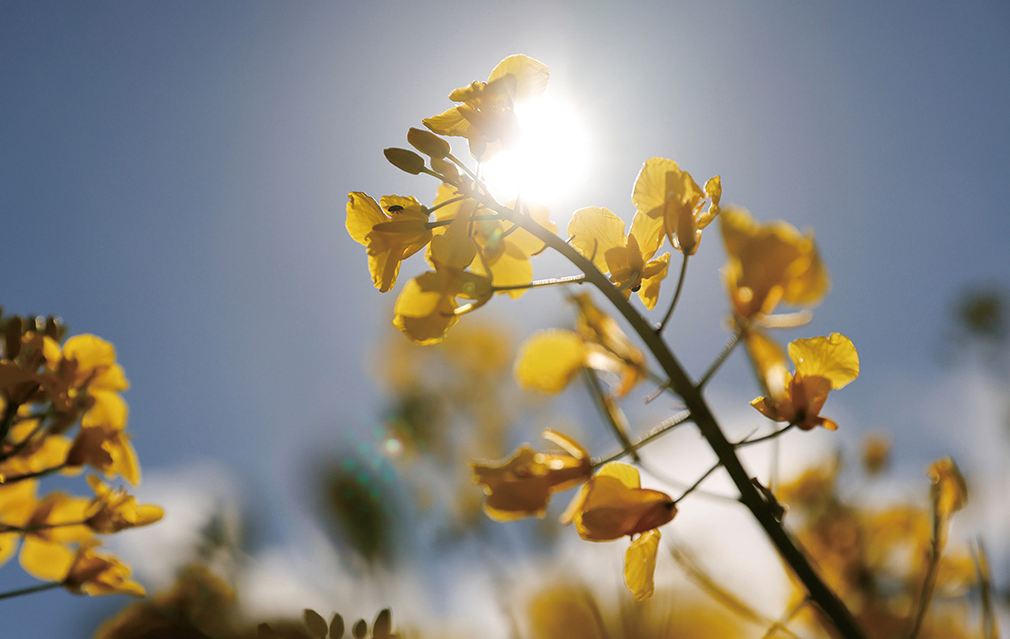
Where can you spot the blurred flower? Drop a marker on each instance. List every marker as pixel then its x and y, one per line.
pixel 950 491
pixel 673 205
pixel 768 264
pixel 115 510
pixel 876 453
pixel 486 117
pixel 521 486
pixel 93 574
pixel 613 504
pixel 107 450
pixel 822 364
pixel 389 237
pixel 88 365
pixel 550 359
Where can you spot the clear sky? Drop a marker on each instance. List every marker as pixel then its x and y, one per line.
pixel 173 179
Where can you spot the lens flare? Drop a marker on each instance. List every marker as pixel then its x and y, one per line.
pixel 550 160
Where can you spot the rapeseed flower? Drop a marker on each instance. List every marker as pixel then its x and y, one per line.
pixel 822 364
pixel 392 230
pixel 598 235
pixel 673 205
pixel 612 505
pixel 521 486
pixel 768 264
pixel 486 117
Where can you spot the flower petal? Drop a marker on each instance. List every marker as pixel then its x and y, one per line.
pixel 640 564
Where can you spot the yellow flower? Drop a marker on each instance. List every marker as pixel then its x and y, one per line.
pixel 486 117
pixel 674 205
pixel 427 308
pixel 107 450
pixel 613 504
pixel 389 237
pixel 822 364
pixel 93 574
pixel 88 365
pixel 598 235
pixel 950 491
pixel 550 359
pixel 504 250
pixel 521 486
pixel 114 510
pixel 55 521
pixel 768 264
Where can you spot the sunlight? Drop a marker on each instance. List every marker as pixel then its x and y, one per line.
pixel 551 158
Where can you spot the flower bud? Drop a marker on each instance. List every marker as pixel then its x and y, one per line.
pixel 405 160
pixel 428 143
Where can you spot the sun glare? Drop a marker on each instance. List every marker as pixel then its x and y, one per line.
pixel 550 160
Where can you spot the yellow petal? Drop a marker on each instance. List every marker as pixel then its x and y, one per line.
pixel 450 122
pixel 655 273
pixel 530 76
pixel 640 564
pixel 362 214
pixel 549 360
pixel 45 560
pixel 424 311
pixel 624 473
pixel 568 444
pixel 650 233
pixel 833 358
pixel 594 231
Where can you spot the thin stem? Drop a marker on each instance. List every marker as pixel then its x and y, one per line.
pixel 476 218
pixel 609 411
pixel 929 581
pixel 30 529
pixel 676 294
pixel 666 425
pixel 552 281
pixel 695 485
pixel 823 596
pixel 454 160
pixel 763 438
pixel 17 448
pixel 30 590
pixel 723 354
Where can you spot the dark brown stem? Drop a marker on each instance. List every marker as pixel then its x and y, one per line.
pixel 822 596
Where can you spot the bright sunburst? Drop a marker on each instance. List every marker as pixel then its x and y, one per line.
pixel 551 158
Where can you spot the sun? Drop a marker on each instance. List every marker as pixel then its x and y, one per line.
pixel 551 157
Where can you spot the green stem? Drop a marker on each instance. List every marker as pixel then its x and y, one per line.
pixel 723 354
pixel 695 485
pixel 676 294
pixel 553 281
pixel 620 431
pixel 702 415
pixel 30 590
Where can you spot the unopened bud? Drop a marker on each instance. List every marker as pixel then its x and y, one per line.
pixel 428 143
pixel 446 169
pixel 404 160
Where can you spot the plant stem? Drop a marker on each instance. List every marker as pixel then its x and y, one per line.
pixel 676 294
pixel 29 590
pixel 552 281
pixel 701 414
pixel 608 410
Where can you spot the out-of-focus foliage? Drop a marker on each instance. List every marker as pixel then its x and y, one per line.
pixel 61 410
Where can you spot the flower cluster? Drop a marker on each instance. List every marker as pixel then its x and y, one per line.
pixel 61 411
pixel 477 247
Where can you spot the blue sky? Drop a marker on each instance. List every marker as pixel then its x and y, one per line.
pixel 173 178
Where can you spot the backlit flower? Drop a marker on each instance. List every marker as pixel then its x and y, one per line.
pixel 392 230
pixel 93 574
pixel 427 306
pixel 770 263
pixel 521 486
pixel 550 359
pixel 486 117
pixel 598 235
pixel 822 364
pixel 113 510
pixel 674 204
pixel 612 505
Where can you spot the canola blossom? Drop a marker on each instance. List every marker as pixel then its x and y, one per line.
pixel 61 409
